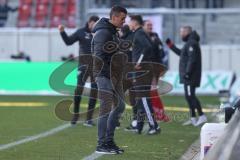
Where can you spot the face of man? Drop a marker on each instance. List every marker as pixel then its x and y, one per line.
pixel 133 25
pixel 148 26
pixel 118 20
pixel 184 32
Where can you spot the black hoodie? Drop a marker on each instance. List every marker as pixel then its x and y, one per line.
pixel 142 45
pixel 190 60
pixel 83 36
pixel 104 32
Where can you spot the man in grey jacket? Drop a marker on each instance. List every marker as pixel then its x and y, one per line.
pixel 109 78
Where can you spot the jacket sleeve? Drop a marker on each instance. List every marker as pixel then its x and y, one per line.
pixel 69 40
pixel 176 50
pixel 143 41
pixel 192 58
pixel 161 50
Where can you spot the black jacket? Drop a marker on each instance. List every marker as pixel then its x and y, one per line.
pixel 190 60
pixel 128 36
pixel 104 32
pixel 83 36
pixel 141 45
pixel 157 44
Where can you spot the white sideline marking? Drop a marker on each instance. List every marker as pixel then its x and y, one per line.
pixel 35 137
pixel 93 156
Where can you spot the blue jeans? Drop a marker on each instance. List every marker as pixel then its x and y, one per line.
pixel 111 96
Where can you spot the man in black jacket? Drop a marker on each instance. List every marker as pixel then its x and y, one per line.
pixel 158 51
pixel 84 37
pixel 158 55
pixel 108 72
pixel 190 68
pixel 142 52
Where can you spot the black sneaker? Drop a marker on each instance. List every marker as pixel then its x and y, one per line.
pixel 74 119
pixel 104 149
pixel 114 148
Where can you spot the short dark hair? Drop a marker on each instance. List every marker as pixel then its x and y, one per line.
pixel 145 21
pixel 93 18
pixel 116 10
pixel 137 18
pixel 189 28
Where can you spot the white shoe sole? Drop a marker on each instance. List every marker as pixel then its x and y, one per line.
pixel 109 153
pixel 87 125
pixel 199 124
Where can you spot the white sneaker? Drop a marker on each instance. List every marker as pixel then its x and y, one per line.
pixel 191 121
pixel 202 119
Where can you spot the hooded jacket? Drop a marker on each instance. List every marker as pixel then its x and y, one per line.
pixel 128 36
pixel 142 45
pixel 83 36
pixel 157 44
pixel 104 33
pixel 190 60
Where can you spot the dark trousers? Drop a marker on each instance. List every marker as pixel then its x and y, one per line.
pixel 83 75
pixel 144 109
pixel 142 89
pixel 111 96
pixel 128 85
pixel 192 100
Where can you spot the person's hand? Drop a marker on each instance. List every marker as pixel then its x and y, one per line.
pixel 61 28
pixel 137 67
pixel 169 42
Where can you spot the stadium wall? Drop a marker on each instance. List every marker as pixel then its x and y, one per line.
pixel 46 45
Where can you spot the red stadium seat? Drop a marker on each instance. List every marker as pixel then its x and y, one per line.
pixel 24 11
pixel 41 10
pixel 23 22
pixel 71 10
pixel 59 2
pixel 71 21
pixel 45 2
pixel 72 2
pixel 58 10
pixel 28 2
pixel 55 21
pixel 40 21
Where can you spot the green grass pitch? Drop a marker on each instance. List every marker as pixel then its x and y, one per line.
pixel 75 143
